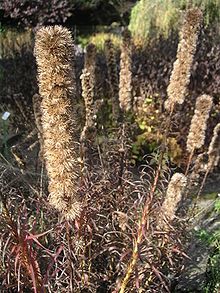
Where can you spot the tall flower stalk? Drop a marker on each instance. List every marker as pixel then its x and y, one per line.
pixel 54 53
pixel 173 197
pixel 214 148
pixel 89 130
pixel 176 92
pixel 88 93
pixel 213 155
pixel 125 76
pixel 180 75
pixel 90 64
pixel 88 81
pixel 113 78
pixel 196 136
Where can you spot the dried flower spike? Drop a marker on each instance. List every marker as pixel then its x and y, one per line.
pixel 88 92
pixel 125 72
pixel 90 59
pixel 213 156
pixel 54 53
pixel 113 78
pixel 180 76
pixel 200 166
pixel 173 196
pixel 196 136
pixel 214 147
pixel 89 129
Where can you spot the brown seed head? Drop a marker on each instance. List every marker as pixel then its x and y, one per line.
pixel 214 147
pixel 196 136
pixel 54 53
pixel 89 129
pixel 173 196
pixel 90 65
pixel 90 56
pixel 180 75
pixel 125 71
pixel 113 77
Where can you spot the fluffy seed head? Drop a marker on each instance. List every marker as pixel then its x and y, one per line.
pixel 125 71
pixel 214 147
pixel 88 95
pixel 90 55
pixel 54 53
pixel 173 197
pixel 196 136
pixel 90 64
pixel 180 75
pixel 113 77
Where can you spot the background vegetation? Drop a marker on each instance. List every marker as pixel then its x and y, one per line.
pixel 154 18
pixel 38 12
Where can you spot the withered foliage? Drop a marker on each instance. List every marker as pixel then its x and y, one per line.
pixel 91 253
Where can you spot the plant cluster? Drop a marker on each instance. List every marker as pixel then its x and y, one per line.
pixel 83 220
pixel 151 70
pixel 33 14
